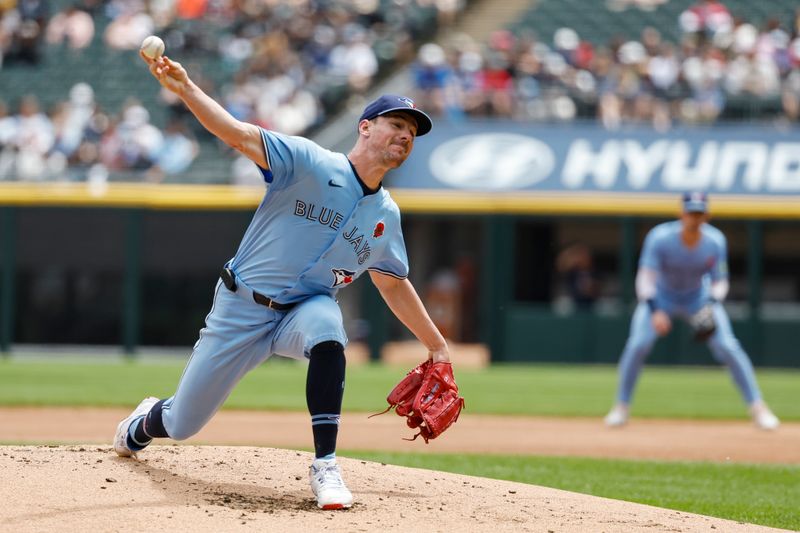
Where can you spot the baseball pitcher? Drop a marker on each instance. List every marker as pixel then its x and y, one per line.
pixel 324 220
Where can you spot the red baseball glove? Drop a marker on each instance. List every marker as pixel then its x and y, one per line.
pixel 428 398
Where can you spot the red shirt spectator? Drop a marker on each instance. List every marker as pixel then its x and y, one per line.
pixel 192 9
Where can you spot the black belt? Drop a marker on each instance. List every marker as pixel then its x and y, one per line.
pixel 229 280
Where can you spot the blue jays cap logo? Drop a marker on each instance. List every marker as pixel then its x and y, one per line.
pixel 695 202
pixel 408 101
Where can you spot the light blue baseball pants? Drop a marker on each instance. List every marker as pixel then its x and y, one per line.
pixel 239 335
pixel 723 344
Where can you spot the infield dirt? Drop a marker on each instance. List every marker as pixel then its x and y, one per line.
pixel 221 488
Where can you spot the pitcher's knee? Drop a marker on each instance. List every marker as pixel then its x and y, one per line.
pixel 330 324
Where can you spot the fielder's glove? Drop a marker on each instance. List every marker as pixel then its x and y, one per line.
pixel 702 323
pixel 428 399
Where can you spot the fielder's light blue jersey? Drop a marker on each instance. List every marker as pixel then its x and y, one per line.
pixel 684 273
pixel 315 230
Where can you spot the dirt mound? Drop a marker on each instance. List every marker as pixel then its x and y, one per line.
pixel 208 488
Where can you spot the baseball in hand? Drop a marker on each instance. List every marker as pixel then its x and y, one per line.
pixel 152 47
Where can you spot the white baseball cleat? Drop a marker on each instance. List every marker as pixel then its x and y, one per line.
pixel 121 436
pixel 618 416
pixel 763 417
pixel 327 485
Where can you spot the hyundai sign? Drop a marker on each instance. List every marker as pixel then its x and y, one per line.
pixel 510 156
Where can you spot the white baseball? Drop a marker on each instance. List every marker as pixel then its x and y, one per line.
pixel 152 47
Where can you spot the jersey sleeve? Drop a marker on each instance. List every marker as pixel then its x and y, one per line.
pixel 288 157
pixel 720 269
pixel 394 261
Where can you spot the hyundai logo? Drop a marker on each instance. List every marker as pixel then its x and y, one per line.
pixel 492 161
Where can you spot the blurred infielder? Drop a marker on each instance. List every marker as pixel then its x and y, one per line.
pixel 324 221
pixel 683 272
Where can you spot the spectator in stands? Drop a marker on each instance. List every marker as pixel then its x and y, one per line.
pixel 85 162
pixel 703 74
pixel 435 82
pixel 9 19
pixel 790 93
pixel 73 118
pixel 7 134
pixel 191 9
pixel 496 77
pixel 32 140
pixel 447 11
pixel 354 59
pixel 33 14
pixel 134 143
pixel 73 26
pixel 706 19
pixel 296 113
pixel 608 74
pixel 176 152
pixel 298 61
pixel 27 23
pixel 576 265
pixel 129 28
pixel 663 72
pixel 469 65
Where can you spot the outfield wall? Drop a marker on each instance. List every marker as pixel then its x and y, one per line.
pixel 487 207
pixel 90 272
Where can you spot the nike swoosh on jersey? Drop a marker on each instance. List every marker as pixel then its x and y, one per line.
pixel 334 184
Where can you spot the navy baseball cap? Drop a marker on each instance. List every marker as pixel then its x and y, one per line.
pixel 695 202
pixel 392 102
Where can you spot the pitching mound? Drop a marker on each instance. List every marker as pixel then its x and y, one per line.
pixel 209 488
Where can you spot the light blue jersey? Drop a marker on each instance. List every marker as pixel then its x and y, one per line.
pixel 683 279
pixel 315 232
pixel 684 274
pixel 314 198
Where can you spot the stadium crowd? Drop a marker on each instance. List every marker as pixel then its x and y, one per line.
pixel 291 64
pixel 720 61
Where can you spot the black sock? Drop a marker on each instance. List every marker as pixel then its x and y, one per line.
pixel 140 438
pixel 149 427
pixel 153 424
pixel 324 392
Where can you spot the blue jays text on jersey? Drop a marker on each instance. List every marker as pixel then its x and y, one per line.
pixel 340 228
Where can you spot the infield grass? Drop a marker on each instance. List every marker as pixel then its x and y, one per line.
pixel 759 494
pixel 530 390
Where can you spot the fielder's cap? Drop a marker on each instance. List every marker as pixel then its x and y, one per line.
pixel 695 202
pixel 392 102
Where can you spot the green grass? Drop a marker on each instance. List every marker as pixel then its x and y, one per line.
pixel 540 390
pixel 759 494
